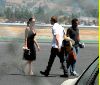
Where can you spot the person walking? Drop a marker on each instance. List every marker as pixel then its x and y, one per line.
pixel 73 33
pixel 56 49
pixel 68 48
pixel 29 45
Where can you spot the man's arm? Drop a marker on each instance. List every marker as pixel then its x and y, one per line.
pixel 57 41
pixel 78 36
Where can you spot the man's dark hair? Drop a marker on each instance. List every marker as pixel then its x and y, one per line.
pixel 54 19
pixel 74 20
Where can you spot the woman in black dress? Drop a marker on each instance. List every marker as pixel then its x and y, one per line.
pixel 29 44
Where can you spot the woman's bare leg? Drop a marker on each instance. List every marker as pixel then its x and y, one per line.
pixel 30 68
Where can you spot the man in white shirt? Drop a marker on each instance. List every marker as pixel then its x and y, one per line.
pixel 57 49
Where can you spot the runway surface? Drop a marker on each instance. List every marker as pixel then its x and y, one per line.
pixel 11 71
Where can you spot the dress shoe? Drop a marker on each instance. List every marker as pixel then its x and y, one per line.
pixel 64 75
pixel 44 73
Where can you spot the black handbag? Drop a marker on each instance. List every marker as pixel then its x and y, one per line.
pixel 26 54
pixel 81 45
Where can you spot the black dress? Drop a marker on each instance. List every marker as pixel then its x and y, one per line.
pixel 31 47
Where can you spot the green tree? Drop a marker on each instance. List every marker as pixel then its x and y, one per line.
pixel 94 12
pixel 39 14
pixel 1 12
pixel 17 14
pixel 74 15
pixel 8 13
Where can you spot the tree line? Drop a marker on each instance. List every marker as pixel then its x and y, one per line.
pixel 22 14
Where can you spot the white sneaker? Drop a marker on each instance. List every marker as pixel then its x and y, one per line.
pixel 74 74
pixel 31 73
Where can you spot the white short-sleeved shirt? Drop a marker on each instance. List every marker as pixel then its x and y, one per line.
pixel 57 29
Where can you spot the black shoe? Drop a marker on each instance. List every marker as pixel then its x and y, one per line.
pixel 64 75
pixel 44 73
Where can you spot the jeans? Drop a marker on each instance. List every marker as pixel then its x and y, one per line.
pixel 72 66
pixel 76 50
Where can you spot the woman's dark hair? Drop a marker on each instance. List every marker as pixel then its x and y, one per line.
pixel 28 23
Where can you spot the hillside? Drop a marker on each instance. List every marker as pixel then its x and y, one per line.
pixel 43 9
pixel 62 5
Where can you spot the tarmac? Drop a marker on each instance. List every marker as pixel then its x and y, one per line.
pixel 11 64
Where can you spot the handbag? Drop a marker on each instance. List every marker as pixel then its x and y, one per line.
pixel 81 45
pixel 26 54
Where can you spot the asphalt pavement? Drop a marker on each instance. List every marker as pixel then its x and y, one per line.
pixel 11 64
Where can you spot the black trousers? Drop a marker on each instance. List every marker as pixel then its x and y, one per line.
pixel 55 52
